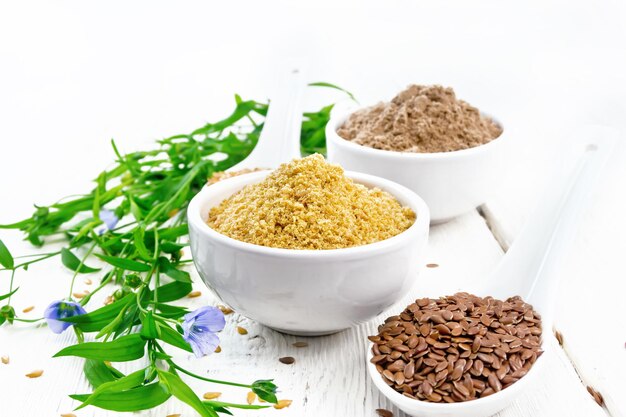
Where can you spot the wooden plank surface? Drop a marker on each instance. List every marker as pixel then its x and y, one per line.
pixel 329 376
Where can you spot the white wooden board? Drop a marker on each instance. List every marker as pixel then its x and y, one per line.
pixel 329 376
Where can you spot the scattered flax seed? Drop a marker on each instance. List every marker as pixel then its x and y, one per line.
pixel 88 281
pixel 596 396
pixel 173 415
pixel 432 265
pixel 250 397
pixel 559 337
pixel 211 395
pixel 225 310
pixel 28 309
pixel 310 204
pixel 218 349
pixel 287 360
pixel 78 295
pixel 300 344
pixel 194 294
pixel 5 360
pixel 383 412
pixel 282 404
pixel 35 374
pixel 241 330
pixel 109 300
pixel 68 415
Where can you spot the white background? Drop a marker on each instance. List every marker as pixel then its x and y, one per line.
pixel 75 74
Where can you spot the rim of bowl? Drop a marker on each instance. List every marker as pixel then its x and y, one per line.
pixel 339 117
pixel 405 196
pixel 510 392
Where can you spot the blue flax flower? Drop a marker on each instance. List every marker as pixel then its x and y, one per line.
pixel 109 219
pixel 199 329
pixel 60 310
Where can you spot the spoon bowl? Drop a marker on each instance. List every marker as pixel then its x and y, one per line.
pixel 480 407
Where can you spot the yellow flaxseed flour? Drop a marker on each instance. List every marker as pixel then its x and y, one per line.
pixel 310 204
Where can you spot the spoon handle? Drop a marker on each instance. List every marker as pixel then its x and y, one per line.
pixel 280 138
pixel 530 267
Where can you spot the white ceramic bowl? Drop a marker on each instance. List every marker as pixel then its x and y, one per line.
pixel 451 183
pixel 307 292
pixel 481 407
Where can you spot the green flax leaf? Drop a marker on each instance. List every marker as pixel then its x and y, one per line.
pixel 72 262
pixel 98 319
pixel 172 291
pixel 180 390
pixel 140 244
pixel 144 397
pixel 148 326
pixel 126 264
pixel 231 405
pixel 127 382
pixel 265 389
pixel 172 337
pixel 171 247
pixel 135 209
pixel 171 312
pixel 17 225
pixel 335 87
pixel 125 348
pixel 6 259
pixel 171 233
pixel 7 295
pixel 97 372
pixel 170 270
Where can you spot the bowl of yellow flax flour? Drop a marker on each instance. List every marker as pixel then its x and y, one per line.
pixel 308 248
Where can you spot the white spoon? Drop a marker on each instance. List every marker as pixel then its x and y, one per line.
pixel 529 269
pixel 531 266
pixel 279 140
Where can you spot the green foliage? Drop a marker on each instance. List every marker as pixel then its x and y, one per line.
pixel 122 349
pixel 148 191
pixel 182 391
pixel 97 372
pixel 6 259
pixel 143 397
pixel 125 264
pixel 73 263
pixel 265 389
pixel 7 313
pixel 7 295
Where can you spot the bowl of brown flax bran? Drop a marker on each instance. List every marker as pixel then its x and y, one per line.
pixel 308 249
pixel 426 139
